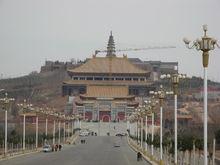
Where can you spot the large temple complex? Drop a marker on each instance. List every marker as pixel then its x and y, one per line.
pixel 109 88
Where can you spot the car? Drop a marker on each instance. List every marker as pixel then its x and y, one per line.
pixel 118 134
pixel 121 134
pixel 47 148
pixel 84 133
pixel 116 144
pixel 124 134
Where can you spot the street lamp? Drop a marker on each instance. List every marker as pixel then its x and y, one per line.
pixel 152 104
pixel 175 80
pixel 24 108
pixel 38 111
pixel 54 115
pixel 72 119
pixel 161 94
pixel 6 101
pixel 205 44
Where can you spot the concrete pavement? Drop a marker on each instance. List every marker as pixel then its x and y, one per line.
pixel 97 151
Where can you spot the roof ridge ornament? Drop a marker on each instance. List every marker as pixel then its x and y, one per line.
pixel 111 46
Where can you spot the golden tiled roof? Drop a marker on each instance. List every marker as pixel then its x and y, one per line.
pixel 108 65
pixel 106 91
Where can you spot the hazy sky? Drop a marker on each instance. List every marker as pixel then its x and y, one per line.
pixel 32 31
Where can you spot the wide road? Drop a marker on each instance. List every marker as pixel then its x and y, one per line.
pixel 98 150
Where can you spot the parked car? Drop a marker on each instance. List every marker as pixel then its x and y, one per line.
pixel 121 134
pixel 84 133
pixel 117 143
pixel 47 148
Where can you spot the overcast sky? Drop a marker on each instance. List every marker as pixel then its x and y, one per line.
pixel 32 31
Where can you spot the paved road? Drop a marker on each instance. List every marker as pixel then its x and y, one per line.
pixel 104 127
pixel 98 150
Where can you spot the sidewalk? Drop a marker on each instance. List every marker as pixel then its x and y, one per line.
pixel 217 154
pixel 137 148
pixel 20 153
pixel 70 140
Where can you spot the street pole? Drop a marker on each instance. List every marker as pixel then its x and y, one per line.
pixel 72 127
pixel 68 128
pixel 205 44
pixel 194 153
pixel 64 131
pixel 54 129
pixel 205 117
pixel 152 135
pixel 146 132
pixel 141 133
pixel 6 101
pixel 46 126
pixel 59 131
pixel 24 132
pixel 137 132
pixel 36 132
pixel 161 134
pixel 6 132
pixel 175 128
pixel 213 156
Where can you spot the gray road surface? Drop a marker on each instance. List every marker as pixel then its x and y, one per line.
pixel 97 151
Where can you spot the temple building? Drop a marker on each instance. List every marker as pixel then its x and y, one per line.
pixel 107 88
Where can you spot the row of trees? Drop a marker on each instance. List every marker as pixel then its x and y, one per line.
pixel 185 142
pixel 16 138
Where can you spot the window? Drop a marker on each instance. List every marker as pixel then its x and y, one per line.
pixel 75 78
pixel 119 78
pixel 98 78
pixel 89 78
pixel 135 79
pixel 142 79
pixel 128 79
pixel 82 78
pixel 106 78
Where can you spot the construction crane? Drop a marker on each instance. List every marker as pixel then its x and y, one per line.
pixel 137 49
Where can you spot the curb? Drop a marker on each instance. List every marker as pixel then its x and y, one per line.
pixel 18 154
pixel 143 155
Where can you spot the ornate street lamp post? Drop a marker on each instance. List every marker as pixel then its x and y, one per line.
pixel 6 102
pixel 24 108
pixel 38 111
pixel 175 79
pixel 152 104
pixel 161 93
pixel 205 44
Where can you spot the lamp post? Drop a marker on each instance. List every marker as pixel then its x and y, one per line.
pixel 6 101
pixel 58 118
pixel 54 127
pixel 152 103
pixel 73 118
pixel 161 93
pixel 24 107
pixel 36 138
pixel 205 44
pixel 64 129
pixel 175 80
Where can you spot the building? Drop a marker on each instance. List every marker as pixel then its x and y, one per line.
pixel 213 93
pixel 107 88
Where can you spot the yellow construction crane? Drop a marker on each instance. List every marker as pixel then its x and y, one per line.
pixel 137 49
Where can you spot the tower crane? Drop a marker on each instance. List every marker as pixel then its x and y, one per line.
pixel 136 49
